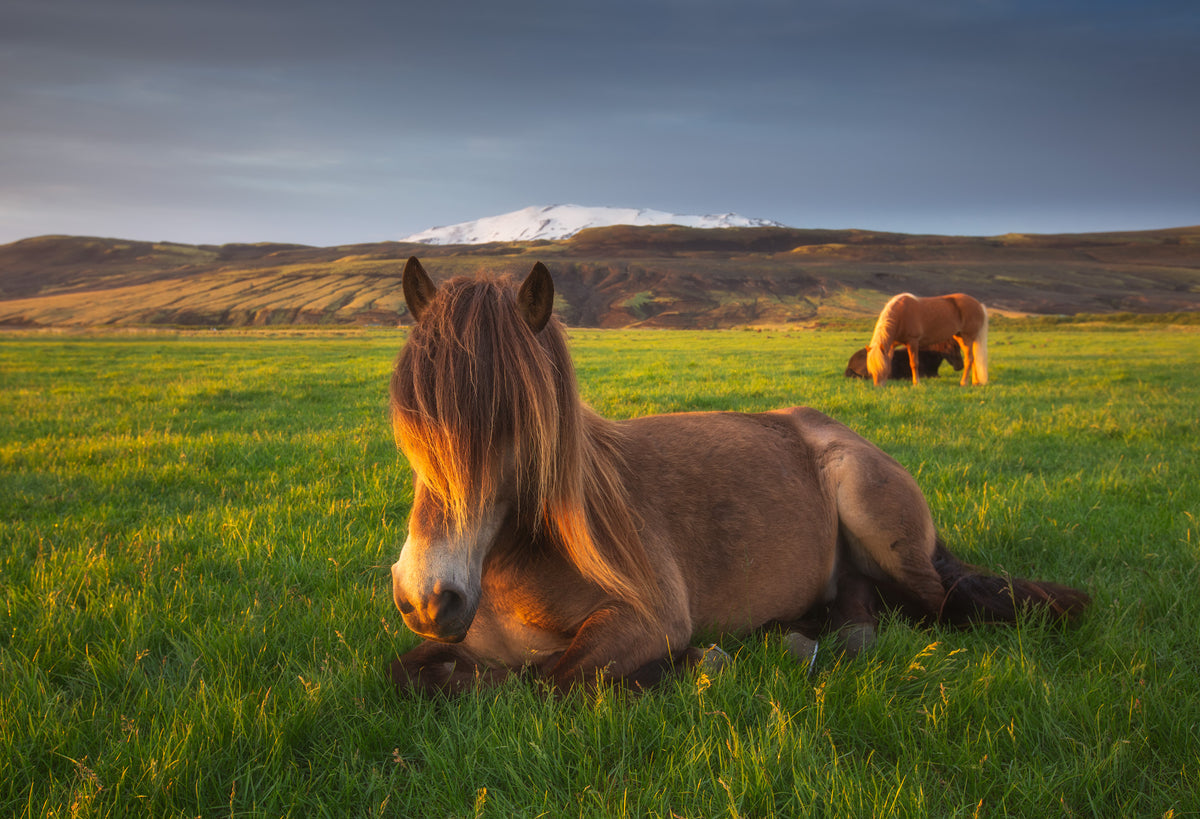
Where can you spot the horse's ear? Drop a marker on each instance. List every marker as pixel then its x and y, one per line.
pixel 536 297
pixel 419 289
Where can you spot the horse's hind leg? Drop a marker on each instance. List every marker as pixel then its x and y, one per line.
pixel 854 614
pixel 968 356
pixel 850 620
pixel 885 526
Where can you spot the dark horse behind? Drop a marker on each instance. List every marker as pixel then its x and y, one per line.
pixel 546 539
pixel 929 361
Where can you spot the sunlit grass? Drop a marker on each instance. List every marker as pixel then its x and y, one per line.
pixel 197 616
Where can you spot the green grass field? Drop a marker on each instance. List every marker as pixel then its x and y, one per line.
pixel 197 614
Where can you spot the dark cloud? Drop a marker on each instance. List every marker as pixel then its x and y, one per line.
pixel 324 123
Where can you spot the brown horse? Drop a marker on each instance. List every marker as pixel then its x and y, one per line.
pixel 917 322
pixel 929 361
pixel 546 539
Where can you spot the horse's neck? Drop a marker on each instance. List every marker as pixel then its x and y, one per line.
pixel 612 554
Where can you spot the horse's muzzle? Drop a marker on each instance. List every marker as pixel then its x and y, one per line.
pixel 443 614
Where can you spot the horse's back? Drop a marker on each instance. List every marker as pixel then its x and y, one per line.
pixel 690 457
pixel 735 512
pixel 709 458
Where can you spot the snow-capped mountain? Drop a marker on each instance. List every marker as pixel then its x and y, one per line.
pixel 562 221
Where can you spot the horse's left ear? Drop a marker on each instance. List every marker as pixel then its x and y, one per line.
pixel 536 297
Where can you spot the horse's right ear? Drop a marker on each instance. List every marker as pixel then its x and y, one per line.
pixel 419 289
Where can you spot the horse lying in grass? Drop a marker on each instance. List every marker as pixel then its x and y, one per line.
pixel 929 361
pixel 545 539
pixel 919 323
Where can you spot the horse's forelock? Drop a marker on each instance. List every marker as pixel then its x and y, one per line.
pixel 883 339
pixel 474 383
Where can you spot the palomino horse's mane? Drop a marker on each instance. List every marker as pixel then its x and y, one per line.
pixel 474 382
pixel 879 350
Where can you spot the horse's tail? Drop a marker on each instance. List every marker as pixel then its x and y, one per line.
pixel 974 595
pixel 879 352
pixel 979 351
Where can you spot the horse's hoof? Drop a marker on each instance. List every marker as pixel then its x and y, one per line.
pixel 856 638
pixel 803 648
pixel 714 659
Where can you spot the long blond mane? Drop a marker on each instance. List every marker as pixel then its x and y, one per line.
pixel 473 382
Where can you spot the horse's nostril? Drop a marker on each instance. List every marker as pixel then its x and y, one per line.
pixel 447 604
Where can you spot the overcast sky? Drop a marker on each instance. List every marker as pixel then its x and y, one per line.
pixel 322 123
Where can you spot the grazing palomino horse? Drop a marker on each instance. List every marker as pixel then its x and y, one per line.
pixel 929 360
pixel 917 323
pixel 546 539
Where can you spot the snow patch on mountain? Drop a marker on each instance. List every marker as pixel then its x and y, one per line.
pixel 555 222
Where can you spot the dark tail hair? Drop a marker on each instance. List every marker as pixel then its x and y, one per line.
pixel 974 595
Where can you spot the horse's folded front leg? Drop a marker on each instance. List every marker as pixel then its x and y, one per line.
pixel 439 668
pixel 616 645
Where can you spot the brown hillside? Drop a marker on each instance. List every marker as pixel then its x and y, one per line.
pixel 606 277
